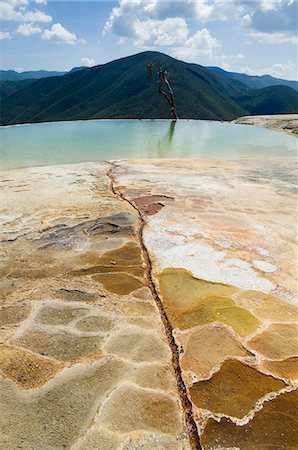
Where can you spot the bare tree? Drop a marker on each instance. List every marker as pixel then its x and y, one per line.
pixel 164 86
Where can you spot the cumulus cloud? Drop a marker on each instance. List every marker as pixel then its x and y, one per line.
pixel 287 70
pixel 273 5
pixel 152 20
pixel 168 32
pixel 59 34
pixel 146 25
pixel 27 29
pixel 273 22
pixel 4 35
pixel 20 11
pixel 200 44
pixel 89 62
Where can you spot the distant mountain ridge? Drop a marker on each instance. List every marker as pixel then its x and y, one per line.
pixel 256 81
pixel 121 89
pixel 12 75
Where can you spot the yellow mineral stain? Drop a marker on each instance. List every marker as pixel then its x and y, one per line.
pixel 233 390
pixel 278 341
pixel 207 346
pixel 189 302
pixel 266 306
pixel 26 369
pixel 125 256
pixel 273 427
pixel 287 368
pixel 118 283
pixel 182 290
pixel 126 259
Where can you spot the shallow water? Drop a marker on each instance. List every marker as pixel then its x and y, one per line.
pixel 69 142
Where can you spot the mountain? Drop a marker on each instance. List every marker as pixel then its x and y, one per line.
pixel 121 89
pixel 255 82
pixel 270 100
pixel 10 87
pixel 12 75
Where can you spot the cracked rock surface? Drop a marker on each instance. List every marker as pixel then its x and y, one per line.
pixel 149 305
pixel 84 360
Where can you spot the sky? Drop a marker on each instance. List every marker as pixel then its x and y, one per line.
pixel 252 36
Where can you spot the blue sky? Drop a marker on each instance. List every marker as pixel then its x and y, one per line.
pixel 251 36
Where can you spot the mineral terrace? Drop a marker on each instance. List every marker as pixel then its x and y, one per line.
pixel 149 305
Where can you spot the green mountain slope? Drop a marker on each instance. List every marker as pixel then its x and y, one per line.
pixel 270 100
pixel 255 82
pixel 10 87
pixel 121 89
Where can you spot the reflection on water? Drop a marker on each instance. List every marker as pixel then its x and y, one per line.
pixel 164 144
pixel 68 142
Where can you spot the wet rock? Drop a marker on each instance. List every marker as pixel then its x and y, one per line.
pixel 233 390
pixel 287 368
pixel 190 302
pixel 278 341
pixel 274 427
pixel 118 283
pixel 207 346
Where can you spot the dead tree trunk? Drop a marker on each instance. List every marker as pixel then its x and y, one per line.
pixel 168 92
pixel 169 95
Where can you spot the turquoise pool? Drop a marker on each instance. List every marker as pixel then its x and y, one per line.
pixel 68 142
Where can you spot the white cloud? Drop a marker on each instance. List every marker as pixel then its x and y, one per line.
pixel 41 2
pixel 59 34
pixel 27 29
pixel 274 38
pixel 286 71
pixel 19 69
pixel 4 35
pixel 123 17
pixel 129 23
pixel 273 5
pixel 168 32
pixel 89 62
pixel 18 11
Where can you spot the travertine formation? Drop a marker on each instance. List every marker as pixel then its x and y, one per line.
pixel 104 348
pixel 224 259
pixel 84 359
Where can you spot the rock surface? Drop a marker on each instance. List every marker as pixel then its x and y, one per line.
pixel 101 347
pixel 282 122
pixel 223 253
